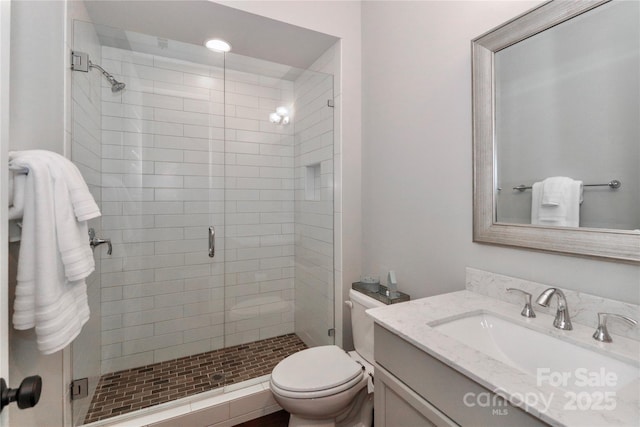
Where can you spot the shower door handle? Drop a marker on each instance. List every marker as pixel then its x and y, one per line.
pixel 212 242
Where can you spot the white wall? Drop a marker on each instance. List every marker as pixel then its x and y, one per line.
pixel 37 75
pixel 417 171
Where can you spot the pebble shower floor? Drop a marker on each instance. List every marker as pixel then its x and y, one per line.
pixel 126 391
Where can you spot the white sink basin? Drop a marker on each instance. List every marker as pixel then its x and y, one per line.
pixel 548 359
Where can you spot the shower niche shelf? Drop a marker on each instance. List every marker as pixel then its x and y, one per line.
pixel 312 182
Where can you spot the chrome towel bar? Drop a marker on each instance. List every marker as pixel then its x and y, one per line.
pixel 613 184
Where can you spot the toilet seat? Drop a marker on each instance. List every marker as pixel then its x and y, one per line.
pixel 316 372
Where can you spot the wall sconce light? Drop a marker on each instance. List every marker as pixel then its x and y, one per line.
pixel 280 117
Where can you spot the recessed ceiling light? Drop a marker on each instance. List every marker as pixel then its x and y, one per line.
pixel 218 45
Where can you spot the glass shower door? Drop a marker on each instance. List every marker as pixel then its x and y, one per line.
pixel 279 283
pixel 153 155
pixel 314 166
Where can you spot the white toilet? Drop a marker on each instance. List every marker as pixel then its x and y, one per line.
pixel 326 386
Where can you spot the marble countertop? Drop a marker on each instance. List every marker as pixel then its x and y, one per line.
pixel 410 320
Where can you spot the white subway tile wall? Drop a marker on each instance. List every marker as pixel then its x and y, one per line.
pixel 172 165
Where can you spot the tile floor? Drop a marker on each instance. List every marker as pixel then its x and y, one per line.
pixel 126 391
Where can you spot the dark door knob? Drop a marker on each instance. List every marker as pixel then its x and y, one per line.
pixel 27 395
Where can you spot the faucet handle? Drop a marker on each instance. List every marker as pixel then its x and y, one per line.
pixel 602 334
pixel 527 311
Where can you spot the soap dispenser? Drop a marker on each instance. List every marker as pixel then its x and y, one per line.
pixel 392 284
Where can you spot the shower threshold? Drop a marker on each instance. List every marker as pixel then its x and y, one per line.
pixel 130 390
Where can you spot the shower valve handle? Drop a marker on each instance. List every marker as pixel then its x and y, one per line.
pixel 95 241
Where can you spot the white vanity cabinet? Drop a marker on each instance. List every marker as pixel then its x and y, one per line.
pixel 415 389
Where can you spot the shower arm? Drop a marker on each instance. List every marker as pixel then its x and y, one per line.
pixel 103 71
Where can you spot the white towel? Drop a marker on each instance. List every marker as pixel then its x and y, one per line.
pixel 84 206
pixel 553 190
pixel 55 257
pixel 556 201
pixel 74 248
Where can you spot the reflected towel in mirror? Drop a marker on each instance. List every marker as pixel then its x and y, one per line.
pixel 560 206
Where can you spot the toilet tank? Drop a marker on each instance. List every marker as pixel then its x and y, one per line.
pixel 361 324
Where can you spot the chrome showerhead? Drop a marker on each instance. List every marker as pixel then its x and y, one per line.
pixel 116 86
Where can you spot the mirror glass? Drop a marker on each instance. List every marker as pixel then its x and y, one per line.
pixel 567 104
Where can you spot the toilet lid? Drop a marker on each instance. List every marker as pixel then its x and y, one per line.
pixel 315 369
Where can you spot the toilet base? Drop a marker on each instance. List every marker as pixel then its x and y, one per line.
pixel 358 414
pixel 295 421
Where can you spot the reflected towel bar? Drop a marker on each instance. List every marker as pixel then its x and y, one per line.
pixel 613 184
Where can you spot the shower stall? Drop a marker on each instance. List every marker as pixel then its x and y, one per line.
pixel 219 212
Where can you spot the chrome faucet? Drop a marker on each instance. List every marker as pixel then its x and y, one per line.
pixel 562 320
pixel 602 334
